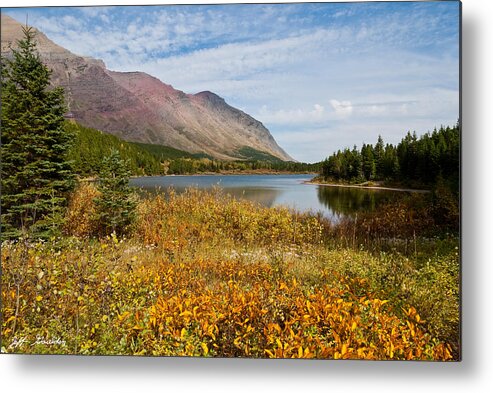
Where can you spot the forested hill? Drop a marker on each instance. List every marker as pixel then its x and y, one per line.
pixel 90 146
pixel 415 162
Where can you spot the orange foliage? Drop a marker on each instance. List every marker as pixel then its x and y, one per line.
pixel 230 309
pixel 79 221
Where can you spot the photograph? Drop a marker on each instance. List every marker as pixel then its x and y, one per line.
pixel 262 181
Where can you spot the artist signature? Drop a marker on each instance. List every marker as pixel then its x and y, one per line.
pixel 19 342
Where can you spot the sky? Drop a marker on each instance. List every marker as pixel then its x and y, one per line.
pixel 319 76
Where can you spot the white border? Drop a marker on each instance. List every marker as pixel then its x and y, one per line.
pixel 119 374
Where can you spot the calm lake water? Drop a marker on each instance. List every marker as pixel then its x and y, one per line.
pixel 275 190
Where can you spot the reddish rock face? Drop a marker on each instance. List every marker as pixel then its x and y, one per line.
pixel 138 107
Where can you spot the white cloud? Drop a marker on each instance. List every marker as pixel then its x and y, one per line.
pixel 293 116
pixel 94 12
pixel 342 108
pixel 241 59
pixel 105 18
pixel 70 22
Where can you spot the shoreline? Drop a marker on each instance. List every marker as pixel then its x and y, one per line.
pixel 245 173
pixel 370 187
pixel 94 178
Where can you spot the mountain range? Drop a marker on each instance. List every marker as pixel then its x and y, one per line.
pixel 138 107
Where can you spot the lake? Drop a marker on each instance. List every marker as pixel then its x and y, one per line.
pixel 276 190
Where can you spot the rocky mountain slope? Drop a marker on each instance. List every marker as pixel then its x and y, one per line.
pixel 138 107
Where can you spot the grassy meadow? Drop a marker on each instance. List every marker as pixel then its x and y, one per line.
pixel 203 274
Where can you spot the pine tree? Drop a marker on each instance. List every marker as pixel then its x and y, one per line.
pixel 378 153
pixel 356 167
pixel 115 207
pixel 36 174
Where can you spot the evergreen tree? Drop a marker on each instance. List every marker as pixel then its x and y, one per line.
pixel 368 165
pixel 390 163
pixel 115 207
pixel 378 153
pixel 36 174
pixel 356 168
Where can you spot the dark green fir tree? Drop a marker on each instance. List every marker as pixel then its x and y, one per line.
pixel 115 207
pixel 36 174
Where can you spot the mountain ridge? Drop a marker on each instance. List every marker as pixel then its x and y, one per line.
pixel 139 107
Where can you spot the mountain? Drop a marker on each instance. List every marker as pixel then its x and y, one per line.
pixel 138 107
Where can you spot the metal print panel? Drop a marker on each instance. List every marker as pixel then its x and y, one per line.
pixel 256 180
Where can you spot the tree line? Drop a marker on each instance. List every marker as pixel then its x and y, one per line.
pixel 182 166
pixel 414 161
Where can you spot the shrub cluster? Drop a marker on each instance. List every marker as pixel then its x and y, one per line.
pixel 197 216
pixel 117 297
pixel 203 274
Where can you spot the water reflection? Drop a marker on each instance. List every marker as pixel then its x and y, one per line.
pixel 347 201
pixel 277 190
pixel 264 196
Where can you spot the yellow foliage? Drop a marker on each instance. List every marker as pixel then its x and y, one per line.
pixel 177 289
pixel 81 208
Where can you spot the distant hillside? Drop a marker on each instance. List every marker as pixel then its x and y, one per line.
pixel 251 154
pixel 167 153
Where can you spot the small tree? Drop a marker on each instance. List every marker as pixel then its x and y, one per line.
pixel 36 174
pixel 115 207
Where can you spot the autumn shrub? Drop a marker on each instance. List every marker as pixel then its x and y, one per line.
pixel 436 289
pixel 196 216
pixel 403 219
pixel 117 297
pixel 416 215
pixel 204 274
pixel 431 285
pixel 279 320
pixel 445 206
pixel 80 214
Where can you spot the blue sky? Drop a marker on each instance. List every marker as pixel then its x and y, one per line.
pixel 320 76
